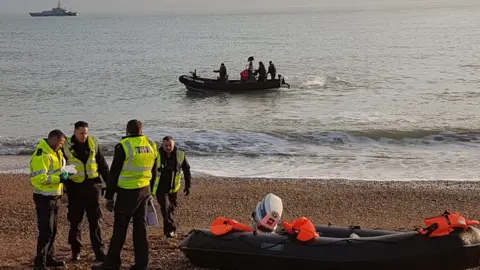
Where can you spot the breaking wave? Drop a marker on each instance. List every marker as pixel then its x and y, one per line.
pixel 254 144
pixel 322 82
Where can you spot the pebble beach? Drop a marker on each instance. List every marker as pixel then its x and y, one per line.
pixel 388 205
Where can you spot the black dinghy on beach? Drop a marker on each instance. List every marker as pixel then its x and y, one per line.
pixel 335 248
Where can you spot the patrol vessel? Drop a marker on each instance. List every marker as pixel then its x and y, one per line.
pixel 55 12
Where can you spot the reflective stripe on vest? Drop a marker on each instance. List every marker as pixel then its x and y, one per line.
pixel 46 193
pixel 176 181
pixel 140 155
pixel 33 174
pixel 50 171
pixel 91 168
pixel 38 169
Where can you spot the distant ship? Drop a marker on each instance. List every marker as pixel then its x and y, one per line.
pixel 58 11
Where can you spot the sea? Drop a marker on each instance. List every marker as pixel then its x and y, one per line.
pixel 377 93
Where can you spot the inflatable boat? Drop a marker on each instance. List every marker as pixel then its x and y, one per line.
pixel 195 83
pixel 335 248
pixel 449 241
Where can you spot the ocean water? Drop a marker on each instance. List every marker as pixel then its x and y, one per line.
pixel 385 94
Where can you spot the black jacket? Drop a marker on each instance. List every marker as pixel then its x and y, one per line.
pixel 116 168
pixel 82 152
pixel 271 69
pixel 169 165
pixel 222 71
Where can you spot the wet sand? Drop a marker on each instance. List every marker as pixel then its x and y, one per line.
pixel 370 204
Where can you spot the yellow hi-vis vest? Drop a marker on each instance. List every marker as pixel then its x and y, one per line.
pixel 140 156
pixel 87 171
pixel 45 170
pixel 176 177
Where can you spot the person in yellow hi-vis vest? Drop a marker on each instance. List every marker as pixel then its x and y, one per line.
pixel 85 189
pixel 132 175
pixel 47 180
pixel 171 163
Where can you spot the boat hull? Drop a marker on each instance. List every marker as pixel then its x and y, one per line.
pixel 197 84
pixel 334 249
pixel 54 15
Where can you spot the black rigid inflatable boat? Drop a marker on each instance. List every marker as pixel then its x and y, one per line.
pixel 336 248
pixel 195 83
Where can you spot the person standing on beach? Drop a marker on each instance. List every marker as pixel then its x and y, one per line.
pixel 47 180
pixel 132 175
pixel 85 189
pixel 171 162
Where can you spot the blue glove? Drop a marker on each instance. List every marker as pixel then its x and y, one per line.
pixel 64 176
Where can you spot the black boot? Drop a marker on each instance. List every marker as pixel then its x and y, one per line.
pixel 75 256
pixel 171 234
pixel 100 257
pixel 39 263
pixel 40 266
pixel 51 262
pixel 104 267
pixel 134 267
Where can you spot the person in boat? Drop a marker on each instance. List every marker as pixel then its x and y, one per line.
pixel 251 71
pixel 244 75
pixel 272 70
pixel 262 72
pixel 222 73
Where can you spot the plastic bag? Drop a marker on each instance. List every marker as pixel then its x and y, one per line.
pixel 69 169
pixel 152 219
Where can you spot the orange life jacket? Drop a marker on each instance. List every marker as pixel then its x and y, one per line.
pixel 445 224
pixel 302 227
pixel 221 226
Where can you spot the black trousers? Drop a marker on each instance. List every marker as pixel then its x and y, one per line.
pixel 168 203
pixel 47 212
pixel 84 197
pixel 130 204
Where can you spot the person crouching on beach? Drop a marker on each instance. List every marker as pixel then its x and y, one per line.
pixel 171 163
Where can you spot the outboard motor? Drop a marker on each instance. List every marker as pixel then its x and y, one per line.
pixel 268 213
pixel 282 81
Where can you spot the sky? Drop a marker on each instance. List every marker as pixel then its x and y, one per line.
pixel 208 6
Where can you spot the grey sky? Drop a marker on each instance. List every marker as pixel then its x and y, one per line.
pixel 206 6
